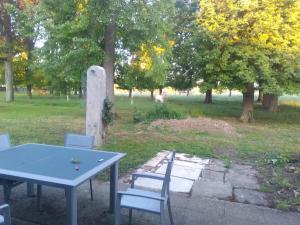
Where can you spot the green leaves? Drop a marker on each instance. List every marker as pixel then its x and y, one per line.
pixel 256 40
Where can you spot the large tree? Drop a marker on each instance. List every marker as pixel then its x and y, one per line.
pixel 74 38
pixel 260 43
pixel 146 43
pixel 197 54
pixel 184 72
pixel 27 18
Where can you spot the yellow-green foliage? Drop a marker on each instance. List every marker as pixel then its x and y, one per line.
pixel 260 41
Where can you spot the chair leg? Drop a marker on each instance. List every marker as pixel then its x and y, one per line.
pixel 30 190
pixel 130 217
pixel 91 190
pixel 170 212
pixel 162 217
pixel 7 217
pixel 39 196
pixel 7 192
pixel 118 211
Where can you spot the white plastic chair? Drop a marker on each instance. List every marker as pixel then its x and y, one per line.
pixel 4 142
pixel 5 215
pixel 79 141
pixel 148 201
pixel 7 184
pixel 84 142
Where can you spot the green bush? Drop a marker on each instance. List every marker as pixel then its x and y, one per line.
pixel 160 111
pixel 138 116
pixel 276 159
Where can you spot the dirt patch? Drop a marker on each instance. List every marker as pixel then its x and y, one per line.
pixel 197 124
pixel 283 185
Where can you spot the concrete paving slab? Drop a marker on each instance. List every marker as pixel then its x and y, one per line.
pixel 195 217
pixel 212 189
pixel 192 165
pixel 277 217
pixel 177 184
pixel 240 179
pixel 189 158
pixel 216 165
pixel 207 205
pixel 154 162
pixel 243 214
pixel 244 170
pixel 213 175
pixel 181 171
pixel 250 197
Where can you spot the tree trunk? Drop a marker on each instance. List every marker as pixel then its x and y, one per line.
pixel 188 93
pixel 130 93
pixel 208 97
pixel 270 102
pixel 248 104
pixel 29 90
pixel 260 95
pixel 80 92
pixel 160 91
pixel 152 93
pixel 230 92
pixel 28 71
pixel 109 39
pixel 9 96
pixel 9 78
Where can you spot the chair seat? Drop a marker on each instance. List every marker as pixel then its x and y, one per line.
pixel 141 203
pixel 1 220
pixel 12 183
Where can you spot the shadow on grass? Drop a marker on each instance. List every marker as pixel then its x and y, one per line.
pixel 230 107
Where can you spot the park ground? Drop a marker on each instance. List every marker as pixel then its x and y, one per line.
pixel 271 143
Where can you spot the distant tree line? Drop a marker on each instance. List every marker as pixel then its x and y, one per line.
pixel 148 45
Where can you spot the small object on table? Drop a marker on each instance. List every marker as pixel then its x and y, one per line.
pixel 75 161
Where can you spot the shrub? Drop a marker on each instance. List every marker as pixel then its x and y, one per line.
pixel 138 116
pixel 160 111
pixel 276 159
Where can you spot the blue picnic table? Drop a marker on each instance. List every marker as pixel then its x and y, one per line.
pixel 61 167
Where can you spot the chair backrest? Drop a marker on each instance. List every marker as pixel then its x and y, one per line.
pixel 4 142
pixel 79 141
pixel 173 155
pixel 166 183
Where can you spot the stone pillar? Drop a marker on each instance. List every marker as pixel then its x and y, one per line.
pixel 95 96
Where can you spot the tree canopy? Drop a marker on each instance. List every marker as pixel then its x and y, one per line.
pixel 215 45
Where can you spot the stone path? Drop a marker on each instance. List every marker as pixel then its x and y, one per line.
pixel 186 170
pixel 236 183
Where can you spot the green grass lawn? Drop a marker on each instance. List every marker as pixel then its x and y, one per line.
pixel 46 119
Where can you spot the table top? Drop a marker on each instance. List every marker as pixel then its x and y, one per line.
pixel 54 164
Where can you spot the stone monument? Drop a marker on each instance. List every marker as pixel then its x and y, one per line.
pixel 95 96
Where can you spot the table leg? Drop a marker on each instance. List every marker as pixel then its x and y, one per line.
pixel 7 191
pixel 39 197
pixel 71 196
pixel 114 169
pixel 30 190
